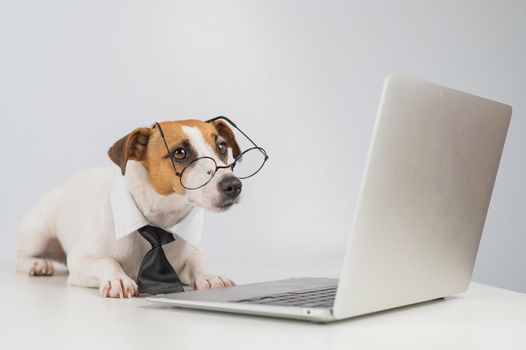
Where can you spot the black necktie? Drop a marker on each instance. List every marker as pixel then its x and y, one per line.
pixel 156 274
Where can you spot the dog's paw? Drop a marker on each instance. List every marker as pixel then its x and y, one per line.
pixel 35 266
pixel 118 287
pixel 207 282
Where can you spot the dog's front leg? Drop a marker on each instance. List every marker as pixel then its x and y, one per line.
pixel 105 273
pixel 193 272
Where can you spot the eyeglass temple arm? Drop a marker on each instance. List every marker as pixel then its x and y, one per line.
pixel 238 129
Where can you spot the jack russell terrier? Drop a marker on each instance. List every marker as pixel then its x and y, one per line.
pixel 91 222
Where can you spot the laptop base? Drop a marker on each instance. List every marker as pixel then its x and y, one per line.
pixel 232 299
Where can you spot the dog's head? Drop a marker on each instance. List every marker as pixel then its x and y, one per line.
pixel 186 140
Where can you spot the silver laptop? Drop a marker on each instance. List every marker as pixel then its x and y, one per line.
pixel 427 184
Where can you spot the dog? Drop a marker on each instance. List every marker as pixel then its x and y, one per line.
pixel 84 222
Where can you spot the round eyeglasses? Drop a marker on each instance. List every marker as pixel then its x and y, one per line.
pixel 200 171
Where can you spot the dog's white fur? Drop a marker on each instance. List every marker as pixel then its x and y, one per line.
pixel 207 196
pixel 74 224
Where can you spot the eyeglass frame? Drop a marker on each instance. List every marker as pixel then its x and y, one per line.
pixel 217 167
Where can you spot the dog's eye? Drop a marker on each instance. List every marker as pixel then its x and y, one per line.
pixel 179 153
pixel 222 147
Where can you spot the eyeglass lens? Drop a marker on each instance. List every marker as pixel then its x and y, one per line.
pixel 249 163
pixel 198 173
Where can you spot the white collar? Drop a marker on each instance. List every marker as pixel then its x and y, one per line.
pixel 128 218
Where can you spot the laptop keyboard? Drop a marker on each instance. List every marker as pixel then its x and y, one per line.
pixel 316 298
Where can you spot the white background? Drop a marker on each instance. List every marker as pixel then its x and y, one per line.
pixel 302 78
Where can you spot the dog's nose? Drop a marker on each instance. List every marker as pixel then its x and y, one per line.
pixel 230 186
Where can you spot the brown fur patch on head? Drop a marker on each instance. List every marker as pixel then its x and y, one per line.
pixel 157 161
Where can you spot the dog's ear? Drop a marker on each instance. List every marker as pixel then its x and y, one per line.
pixel 225 132
pixel 132 146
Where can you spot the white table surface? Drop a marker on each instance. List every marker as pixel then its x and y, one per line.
pixel 43 312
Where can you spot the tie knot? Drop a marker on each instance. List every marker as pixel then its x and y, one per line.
pixel 156 236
